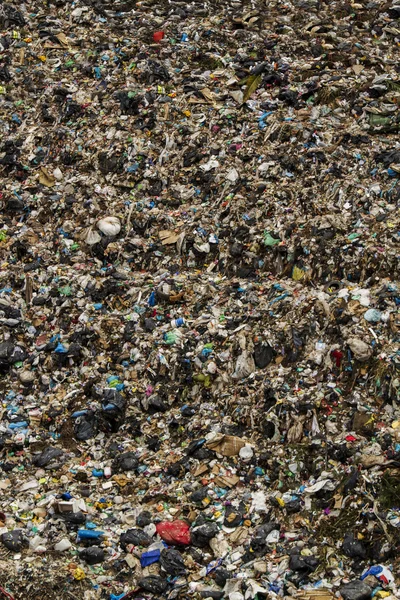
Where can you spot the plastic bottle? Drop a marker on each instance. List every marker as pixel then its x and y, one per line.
pixel 178 322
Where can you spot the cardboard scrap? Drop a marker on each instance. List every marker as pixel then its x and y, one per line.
pixel 227 445
pixel 227 481
pixel 168 237
pixel 46 178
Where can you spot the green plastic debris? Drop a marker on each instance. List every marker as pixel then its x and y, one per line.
pixel 65 290
pixel 269 240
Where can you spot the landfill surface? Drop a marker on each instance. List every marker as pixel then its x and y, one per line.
pixel 199 300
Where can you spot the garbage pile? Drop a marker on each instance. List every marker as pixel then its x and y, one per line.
pixel 199 300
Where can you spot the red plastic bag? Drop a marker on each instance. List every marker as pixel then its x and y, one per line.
pixel 158 36
pixel 174 533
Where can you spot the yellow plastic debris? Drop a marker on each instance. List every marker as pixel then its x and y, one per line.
pixel 79 574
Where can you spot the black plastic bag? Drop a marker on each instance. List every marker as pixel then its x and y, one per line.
pixel 303 564
pixel 85 427
pixel 6 349
pixel 199 495
pixel 263 354
pixel 172 562
pixel 158 71
pixel 113 403
pixel 221 576
pixel 355 590
pixel 136 537
pixel 10 353
pixel 129 103
pixel 234 516
pixel 144 519
pixel 92 555
pixel 293 506
pixel 352 547
pixel 74 518
pixel 47 456
pixel 155 405
pixel 126 462
pixel 263 531
pixel 13 540
pixel 201 535
pixel 153 584
pixel 9 15
pixel 259 542
pixel 214 594
pixel 194 446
